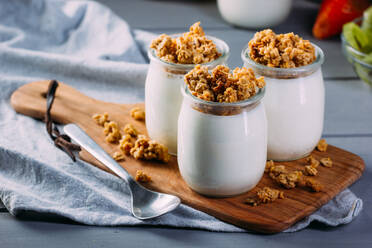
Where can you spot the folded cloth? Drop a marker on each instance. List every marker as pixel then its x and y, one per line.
pixel 84 44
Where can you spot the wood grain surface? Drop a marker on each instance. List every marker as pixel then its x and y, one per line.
pixel 71 106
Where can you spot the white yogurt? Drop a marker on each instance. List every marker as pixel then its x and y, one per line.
pixel 295 111
pixel 294 104
pixel 254 13
pixel 163 102
pixel 222 155
pixel 163 96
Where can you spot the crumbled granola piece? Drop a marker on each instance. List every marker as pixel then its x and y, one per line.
pixel 310 170
pixel 126 138
pixel 138 114
pixel 118 156
pixel 251 201
pixel 112 132
pixel 313 184
pixel 221 85
pixel 142 177
pixel 282 51
pixel 269 165
pixel 326 162
pixel 101 119
pixel 125 144
pixel 147 149
pixel 276 170
pixel 312 161
pixel 129 129
pixel 192 47
pixel 322 145
pixel 126 148
pixel 265 195
pixel 289 180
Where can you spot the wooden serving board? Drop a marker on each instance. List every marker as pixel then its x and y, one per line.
pixel 71 106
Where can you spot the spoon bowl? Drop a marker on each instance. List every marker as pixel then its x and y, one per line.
pixel 146 204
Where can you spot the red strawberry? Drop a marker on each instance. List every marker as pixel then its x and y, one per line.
pixel 333 14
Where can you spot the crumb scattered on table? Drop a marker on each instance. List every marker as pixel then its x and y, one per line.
pixel 276 170
pixel 269 164
pixel 112 132
pixel 326 162
pixel 313 184
pixel 118 156
pixel 137 113
pixel 312 161
pixel 101 119
pixel 129 129
pixel 289 180
pixel 265 195
pixel 147 149
pixel 142 177
pixel 310 170
pixel 322 145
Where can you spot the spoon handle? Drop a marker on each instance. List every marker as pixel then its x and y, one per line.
pixel 80 137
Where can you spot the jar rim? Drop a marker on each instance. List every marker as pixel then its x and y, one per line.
pixel 245 103
pixel 285 71
pixel 221 45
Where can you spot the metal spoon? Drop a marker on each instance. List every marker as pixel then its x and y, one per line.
pixel 146 204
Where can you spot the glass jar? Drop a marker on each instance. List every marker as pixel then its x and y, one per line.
pixel 163 96
pixel 294 104
pixel 222 146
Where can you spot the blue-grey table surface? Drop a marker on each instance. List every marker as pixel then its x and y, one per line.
pixel 348 124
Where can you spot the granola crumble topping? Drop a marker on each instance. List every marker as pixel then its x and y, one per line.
pixel 280 50
pixel 221 85
pixel 326 162
pixel 142 177
pixel 137 114
pixel 322 145
pixel 147 149
pixel 192 47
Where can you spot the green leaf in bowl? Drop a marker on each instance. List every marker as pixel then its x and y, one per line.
pixel 355 36
pixel 368 59
pixel 367 20
pixel 364 73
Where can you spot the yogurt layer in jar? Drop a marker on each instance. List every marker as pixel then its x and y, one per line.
pixel 295 95
pixel 222 145
pixel 164 80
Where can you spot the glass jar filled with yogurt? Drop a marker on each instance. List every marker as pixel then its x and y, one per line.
pixel 294 100
pixel 171 57
pixel 222 137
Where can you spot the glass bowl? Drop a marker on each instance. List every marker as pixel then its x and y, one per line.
pixel 358 59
